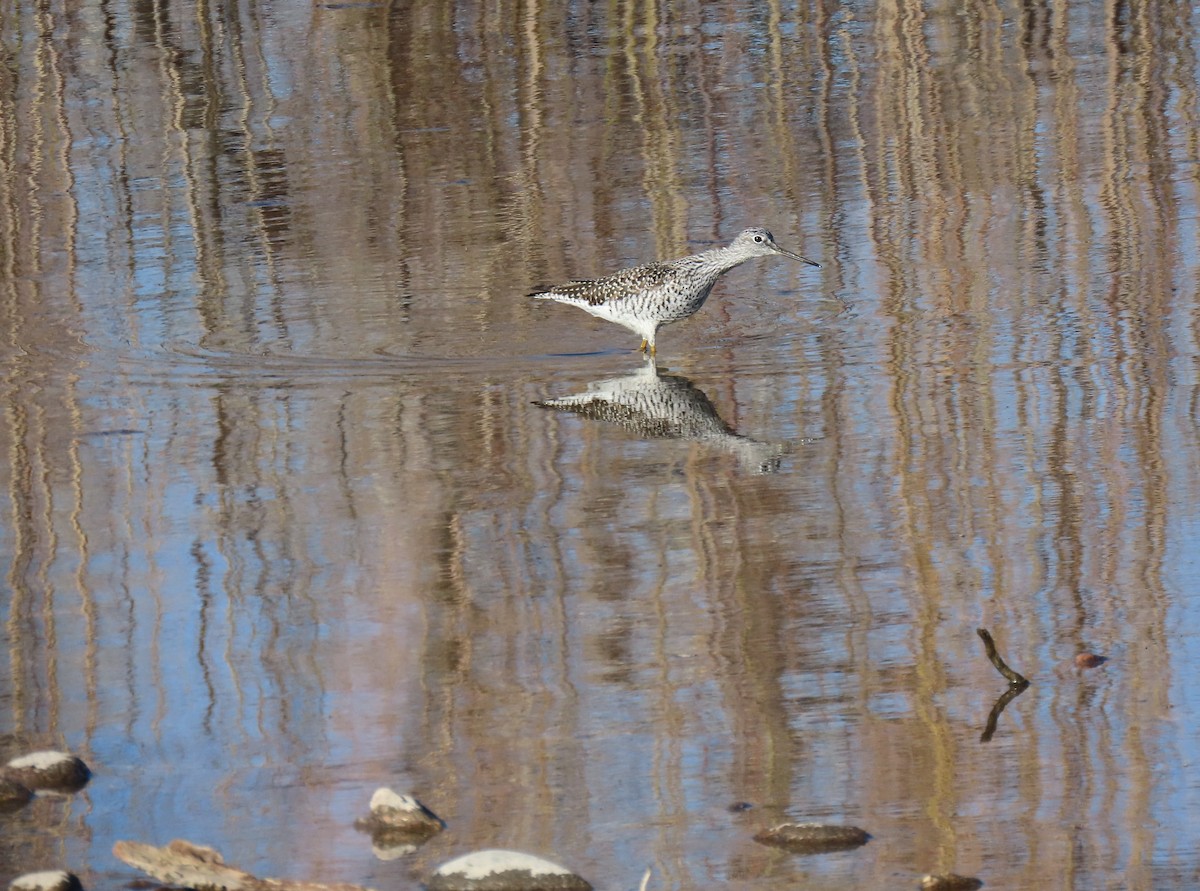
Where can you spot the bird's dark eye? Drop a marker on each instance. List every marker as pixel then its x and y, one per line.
pixel 758 238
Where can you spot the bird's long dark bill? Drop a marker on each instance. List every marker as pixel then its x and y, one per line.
pixel 798 257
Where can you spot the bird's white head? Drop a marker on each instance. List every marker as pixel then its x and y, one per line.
pixel 756 242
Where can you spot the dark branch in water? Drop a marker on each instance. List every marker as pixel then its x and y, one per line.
pixel 1016 684
pixel 1017 680
pixel 1013 691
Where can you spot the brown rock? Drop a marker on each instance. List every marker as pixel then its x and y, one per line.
pixel 950 882
pixel 812 838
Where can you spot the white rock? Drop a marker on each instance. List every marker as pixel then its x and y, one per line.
pixel 496 870
pixel 387 801
pixel 41 761
pixel 51 880
pixel 58 771
pixel 398 814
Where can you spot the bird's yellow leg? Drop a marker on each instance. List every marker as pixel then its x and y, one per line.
pixel 642 348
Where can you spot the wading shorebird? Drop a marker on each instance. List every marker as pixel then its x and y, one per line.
pixel 644 298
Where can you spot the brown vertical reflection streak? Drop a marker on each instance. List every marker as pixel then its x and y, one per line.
pixel 38 221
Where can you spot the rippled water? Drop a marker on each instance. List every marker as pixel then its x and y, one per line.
pixel 303 496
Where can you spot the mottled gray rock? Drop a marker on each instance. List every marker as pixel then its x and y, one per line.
pixel 51 880
pixel 49 771
pixel 812 838
pixel 496 870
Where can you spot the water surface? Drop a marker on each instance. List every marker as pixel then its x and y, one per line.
pixel 288 516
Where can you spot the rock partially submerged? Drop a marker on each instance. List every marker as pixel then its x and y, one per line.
pixel 398 824
pixel 950 882
pixel 813 838
pixel 48 771
pixel 51 880
pixel 398 814
pixel 496 870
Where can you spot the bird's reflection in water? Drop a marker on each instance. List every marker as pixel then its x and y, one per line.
pixel 653 404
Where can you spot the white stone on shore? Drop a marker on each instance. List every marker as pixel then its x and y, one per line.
pixel 51 880
pixel 496 870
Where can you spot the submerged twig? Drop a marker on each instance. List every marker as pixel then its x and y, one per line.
pixel 989 645
pixel 645 880
pixel 1013 691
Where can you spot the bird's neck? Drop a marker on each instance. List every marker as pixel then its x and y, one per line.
pixel 717 261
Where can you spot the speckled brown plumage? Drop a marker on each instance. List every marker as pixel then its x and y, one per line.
pixel 644 298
